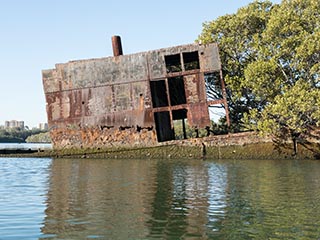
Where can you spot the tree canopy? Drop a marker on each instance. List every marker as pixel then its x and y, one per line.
pixel 17 135
pixel 270 56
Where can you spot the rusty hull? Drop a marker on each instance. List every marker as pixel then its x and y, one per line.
pixel 114 100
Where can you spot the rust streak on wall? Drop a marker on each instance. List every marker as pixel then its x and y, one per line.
pixel 129 99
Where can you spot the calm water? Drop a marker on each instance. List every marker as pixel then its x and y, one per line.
pixel 158 199
pixel 26 146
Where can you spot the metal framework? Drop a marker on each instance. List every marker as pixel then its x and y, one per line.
pixel 143 91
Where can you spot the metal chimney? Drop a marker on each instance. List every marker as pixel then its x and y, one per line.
pixel 116 46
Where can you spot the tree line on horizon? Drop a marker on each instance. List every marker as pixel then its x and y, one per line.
pixel 270 55
pixel 17 135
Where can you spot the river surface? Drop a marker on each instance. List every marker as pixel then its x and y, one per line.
pixel 26 146
pixel 158 199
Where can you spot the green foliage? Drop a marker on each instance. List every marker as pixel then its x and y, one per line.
pixel 215 129
pixel 294 113
pixel 271 62
pixel 16 134
pixel 190 132
pixel 43 137
pixel 9 139
pixel 236 35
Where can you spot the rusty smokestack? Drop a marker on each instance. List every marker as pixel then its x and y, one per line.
pixel 116 46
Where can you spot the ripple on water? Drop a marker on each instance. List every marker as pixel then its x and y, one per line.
pixel 158 199
pixel 23 186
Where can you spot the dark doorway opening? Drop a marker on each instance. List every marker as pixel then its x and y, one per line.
pixel 191 60
pixel 159 93
pixel 163 126
pixel 177 91
pixel 173 63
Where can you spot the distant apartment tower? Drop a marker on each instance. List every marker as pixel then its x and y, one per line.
pixel 14 124
pixel 43 126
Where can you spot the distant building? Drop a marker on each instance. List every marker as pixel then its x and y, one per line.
pixel 43 126
pixel 14 124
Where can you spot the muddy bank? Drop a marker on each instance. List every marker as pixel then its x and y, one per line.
pixel 231 146
pixel 265 150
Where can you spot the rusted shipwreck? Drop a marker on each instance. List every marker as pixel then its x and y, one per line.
pixel 134 99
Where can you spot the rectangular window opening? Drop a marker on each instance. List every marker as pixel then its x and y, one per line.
pixel 173 63
pixel 213 86
pixel 159 93
pixel 180 123
pixel 179 114
pixel 177 91
pixel 191 60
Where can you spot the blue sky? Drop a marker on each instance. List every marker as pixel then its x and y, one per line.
pixel 37 34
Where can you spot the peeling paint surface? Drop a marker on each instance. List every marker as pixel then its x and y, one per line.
pixel 89 100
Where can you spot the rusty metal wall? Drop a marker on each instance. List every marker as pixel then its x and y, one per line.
pixel 114 92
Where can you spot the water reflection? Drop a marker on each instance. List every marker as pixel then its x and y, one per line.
pixel 159 199
pixel 23 184
pixel 271 200
pixel 217 192
pixel 180 206
pixel 95 198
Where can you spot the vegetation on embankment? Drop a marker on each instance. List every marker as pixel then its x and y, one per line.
pixel 17 135
pixel 255 151
pixel 42 137
pixel 271 63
